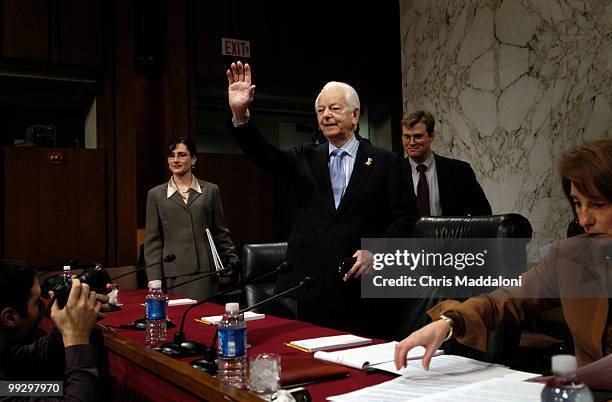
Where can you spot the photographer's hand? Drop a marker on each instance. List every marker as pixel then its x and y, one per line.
pixel 77 319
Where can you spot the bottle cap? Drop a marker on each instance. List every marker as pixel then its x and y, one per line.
pixel 155 284
pixel 563 364
pixel 66 267
pixel 232 307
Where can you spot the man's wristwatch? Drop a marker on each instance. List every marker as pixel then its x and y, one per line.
pixel 450 324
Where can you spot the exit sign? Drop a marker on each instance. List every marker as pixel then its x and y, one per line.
pixel 235 47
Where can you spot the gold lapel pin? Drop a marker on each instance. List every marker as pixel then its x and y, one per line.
pixel 369 162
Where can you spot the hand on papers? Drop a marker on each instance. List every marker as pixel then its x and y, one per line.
pixel 361 266
pixel 240 91
pixel 430 337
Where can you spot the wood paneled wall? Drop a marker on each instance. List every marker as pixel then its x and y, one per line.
pixel 138 110
pixel 53 212
pixel 58 31
pixel 258 207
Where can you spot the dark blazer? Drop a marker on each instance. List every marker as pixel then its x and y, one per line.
pixel 373 205
pixel 460 193
pixel 173 227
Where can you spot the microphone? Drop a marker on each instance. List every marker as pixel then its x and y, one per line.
pixel 207 363
pixel 141 323
pixel 304 284
pixel 168 258
pixel 181 347
pixel 204 275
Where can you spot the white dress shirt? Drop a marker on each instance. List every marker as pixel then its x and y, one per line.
pixel 172 188
pixel 435 208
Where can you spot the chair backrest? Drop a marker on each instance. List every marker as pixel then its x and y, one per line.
pixel 489 226
pixel 257 260
pixel 457 227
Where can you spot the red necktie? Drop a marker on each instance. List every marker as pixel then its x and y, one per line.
pixel 422 191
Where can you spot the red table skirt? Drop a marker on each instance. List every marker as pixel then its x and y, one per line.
pixel 130 382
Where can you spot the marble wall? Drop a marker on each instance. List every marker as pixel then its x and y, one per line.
pixel 512 83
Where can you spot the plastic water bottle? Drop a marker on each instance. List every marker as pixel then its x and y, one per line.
pixel 232 347
pixel 156 334
pixel 67 275
pixel 564 386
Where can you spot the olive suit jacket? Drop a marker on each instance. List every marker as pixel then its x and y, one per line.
pixel 173 227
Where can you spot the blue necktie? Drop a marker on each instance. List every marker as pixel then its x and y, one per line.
pixel 336 174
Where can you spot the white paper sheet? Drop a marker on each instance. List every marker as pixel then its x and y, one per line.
pixel 373 355
pixel 330 342
pixel 181 302
pixel 446 372
pixel 493 390
pixel 248 316
pixel 396 390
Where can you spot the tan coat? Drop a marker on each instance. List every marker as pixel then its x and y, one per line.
pixel 572 276
pixel 173 227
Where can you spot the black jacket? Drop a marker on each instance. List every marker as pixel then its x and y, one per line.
pixel 375 204
pixel 460 193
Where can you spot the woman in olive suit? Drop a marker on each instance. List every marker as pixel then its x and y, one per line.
pixel 178 213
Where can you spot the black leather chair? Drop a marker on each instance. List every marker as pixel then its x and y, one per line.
pixel 491 226
pixel 259 259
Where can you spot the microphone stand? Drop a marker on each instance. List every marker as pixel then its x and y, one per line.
pixel 304 283
pixel 181 347
pixel 168 258
pixel 141 323
pixel 207 363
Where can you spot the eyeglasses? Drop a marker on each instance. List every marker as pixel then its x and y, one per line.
pixel 416 137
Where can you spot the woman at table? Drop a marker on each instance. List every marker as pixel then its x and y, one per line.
pixel 178 213
pixel 576 275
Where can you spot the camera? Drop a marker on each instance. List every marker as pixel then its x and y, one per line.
pixel 93 275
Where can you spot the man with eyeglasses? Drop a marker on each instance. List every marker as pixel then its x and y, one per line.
pixel 443 186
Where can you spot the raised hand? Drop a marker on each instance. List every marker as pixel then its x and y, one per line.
pixel 240 91
pixel 430 337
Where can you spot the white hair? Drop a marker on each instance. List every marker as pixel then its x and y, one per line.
pixel 350 95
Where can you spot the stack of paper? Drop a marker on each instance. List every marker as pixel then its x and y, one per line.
pixel 216 319
pixel 445 390
pixel 181 302
pixel 328 342
pixel 379 356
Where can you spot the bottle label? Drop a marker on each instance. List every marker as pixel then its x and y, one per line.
pixel 232 343
pixel 156 309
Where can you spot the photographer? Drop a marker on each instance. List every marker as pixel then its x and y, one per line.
pixel 20 355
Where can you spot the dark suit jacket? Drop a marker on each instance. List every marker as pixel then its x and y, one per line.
pixel 460 193
pixel 173 227
pixel 373 205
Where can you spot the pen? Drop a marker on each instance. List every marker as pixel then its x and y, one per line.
pixel 297 347
pixel 203 322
